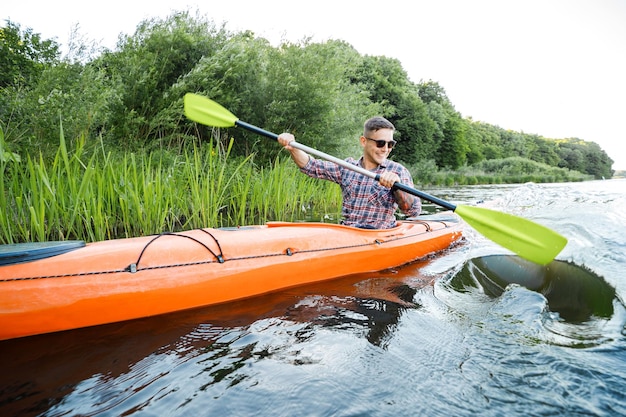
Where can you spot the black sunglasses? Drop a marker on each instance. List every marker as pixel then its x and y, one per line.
pixel 381 143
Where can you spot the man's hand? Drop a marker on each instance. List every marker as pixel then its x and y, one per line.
pixel 300 158
pixel 388 179
pixel 284 139
pixel 404 200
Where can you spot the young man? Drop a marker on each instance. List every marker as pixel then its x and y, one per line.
pixel 367 203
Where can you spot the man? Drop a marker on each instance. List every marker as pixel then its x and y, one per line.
pixel 367 203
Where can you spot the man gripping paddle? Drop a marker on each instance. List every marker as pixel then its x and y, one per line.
pixel 367 203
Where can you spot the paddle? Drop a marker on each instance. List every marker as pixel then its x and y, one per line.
pixel 529 240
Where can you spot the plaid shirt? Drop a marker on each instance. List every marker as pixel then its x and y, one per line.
pixel 366 203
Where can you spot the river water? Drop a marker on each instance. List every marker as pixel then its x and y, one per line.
pixel 438 337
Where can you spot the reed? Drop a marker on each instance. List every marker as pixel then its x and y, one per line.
pixel 281 191
pixel 98 194
pixel 101 195
pixel 209 182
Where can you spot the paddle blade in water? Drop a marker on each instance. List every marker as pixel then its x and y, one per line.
pixel 573 291
pixel 207 112
pixel 528 239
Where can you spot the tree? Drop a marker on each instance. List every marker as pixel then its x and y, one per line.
pixel 586 157
pixel 316 101
pixel 25 60
pixel 474 142
pixel 132 97
pixel 453 150
pixel 430 91
pixel 513 144
pixel 544 150
pixel 283 89
pixel 452 147
pixel 389 86
pixel 234 75
pixel 144 68
pixel 24 55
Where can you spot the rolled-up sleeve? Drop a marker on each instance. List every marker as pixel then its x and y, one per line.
pixel 325 170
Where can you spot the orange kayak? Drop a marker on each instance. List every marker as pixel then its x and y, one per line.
pixel 58 286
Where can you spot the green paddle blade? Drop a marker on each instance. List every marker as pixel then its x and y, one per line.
pixel 528 239
pixel 207 112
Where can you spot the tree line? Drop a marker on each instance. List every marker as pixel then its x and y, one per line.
pixel 130 98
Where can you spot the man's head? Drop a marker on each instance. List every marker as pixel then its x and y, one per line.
pixel 377 141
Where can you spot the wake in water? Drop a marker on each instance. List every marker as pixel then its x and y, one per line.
pixel 578 302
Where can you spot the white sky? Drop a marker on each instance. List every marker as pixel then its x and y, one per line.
pixel 552 67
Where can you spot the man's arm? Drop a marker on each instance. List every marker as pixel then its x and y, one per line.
pixel 406 202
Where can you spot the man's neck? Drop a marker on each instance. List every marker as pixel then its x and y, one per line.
pixel 369 165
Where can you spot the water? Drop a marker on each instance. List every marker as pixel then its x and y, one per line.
pixel 425 339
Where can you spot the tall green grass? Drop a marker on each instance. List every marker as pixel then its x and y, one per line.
pixel 282 189
pixel 100 195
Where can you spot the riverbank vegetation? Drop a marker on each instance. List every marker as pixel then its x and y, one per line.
pixel 108 195
pixel 94 144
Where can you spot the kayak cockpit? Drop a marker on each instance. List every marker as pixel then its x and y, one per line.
pixel 26 252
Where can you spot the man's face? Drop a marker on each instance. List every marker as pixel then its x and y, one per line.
pixel 372 154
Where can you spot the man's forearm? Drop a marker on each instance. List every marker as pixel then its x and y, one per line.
pixel 300 157
pixel 404 200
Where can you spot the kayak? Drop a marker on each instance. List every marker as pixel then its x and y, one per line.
pixel 56 286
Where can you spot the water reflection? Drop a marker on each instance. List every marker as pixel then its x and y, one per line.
pixel 376 317
pixel 576 293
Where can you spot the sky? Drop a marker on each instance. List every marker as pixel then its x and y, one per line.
pixel 556 68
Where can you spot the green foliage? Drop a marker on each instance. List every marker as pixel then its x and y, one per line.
pixel 143 69
pixel 586 157
pixel 452 152
pixel 423 172
pixel 6 156
pixel 44 88
pixel 513 170
pixel 108 195
pixel 231 76
pixel 66 92
pixel 450 139
pixel 310 96
pixel 489 143
pixel 520 170
pixel 492 142
pixel 281 189
pixel 24 58
pixel 24 55
pixel 322 92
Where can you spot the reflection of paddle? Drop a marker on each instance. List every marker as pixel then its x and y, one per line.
pixel 528 239
pixel 574 292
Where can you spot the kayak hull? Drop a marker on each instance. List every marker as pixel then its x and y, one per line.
pixel 125 279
